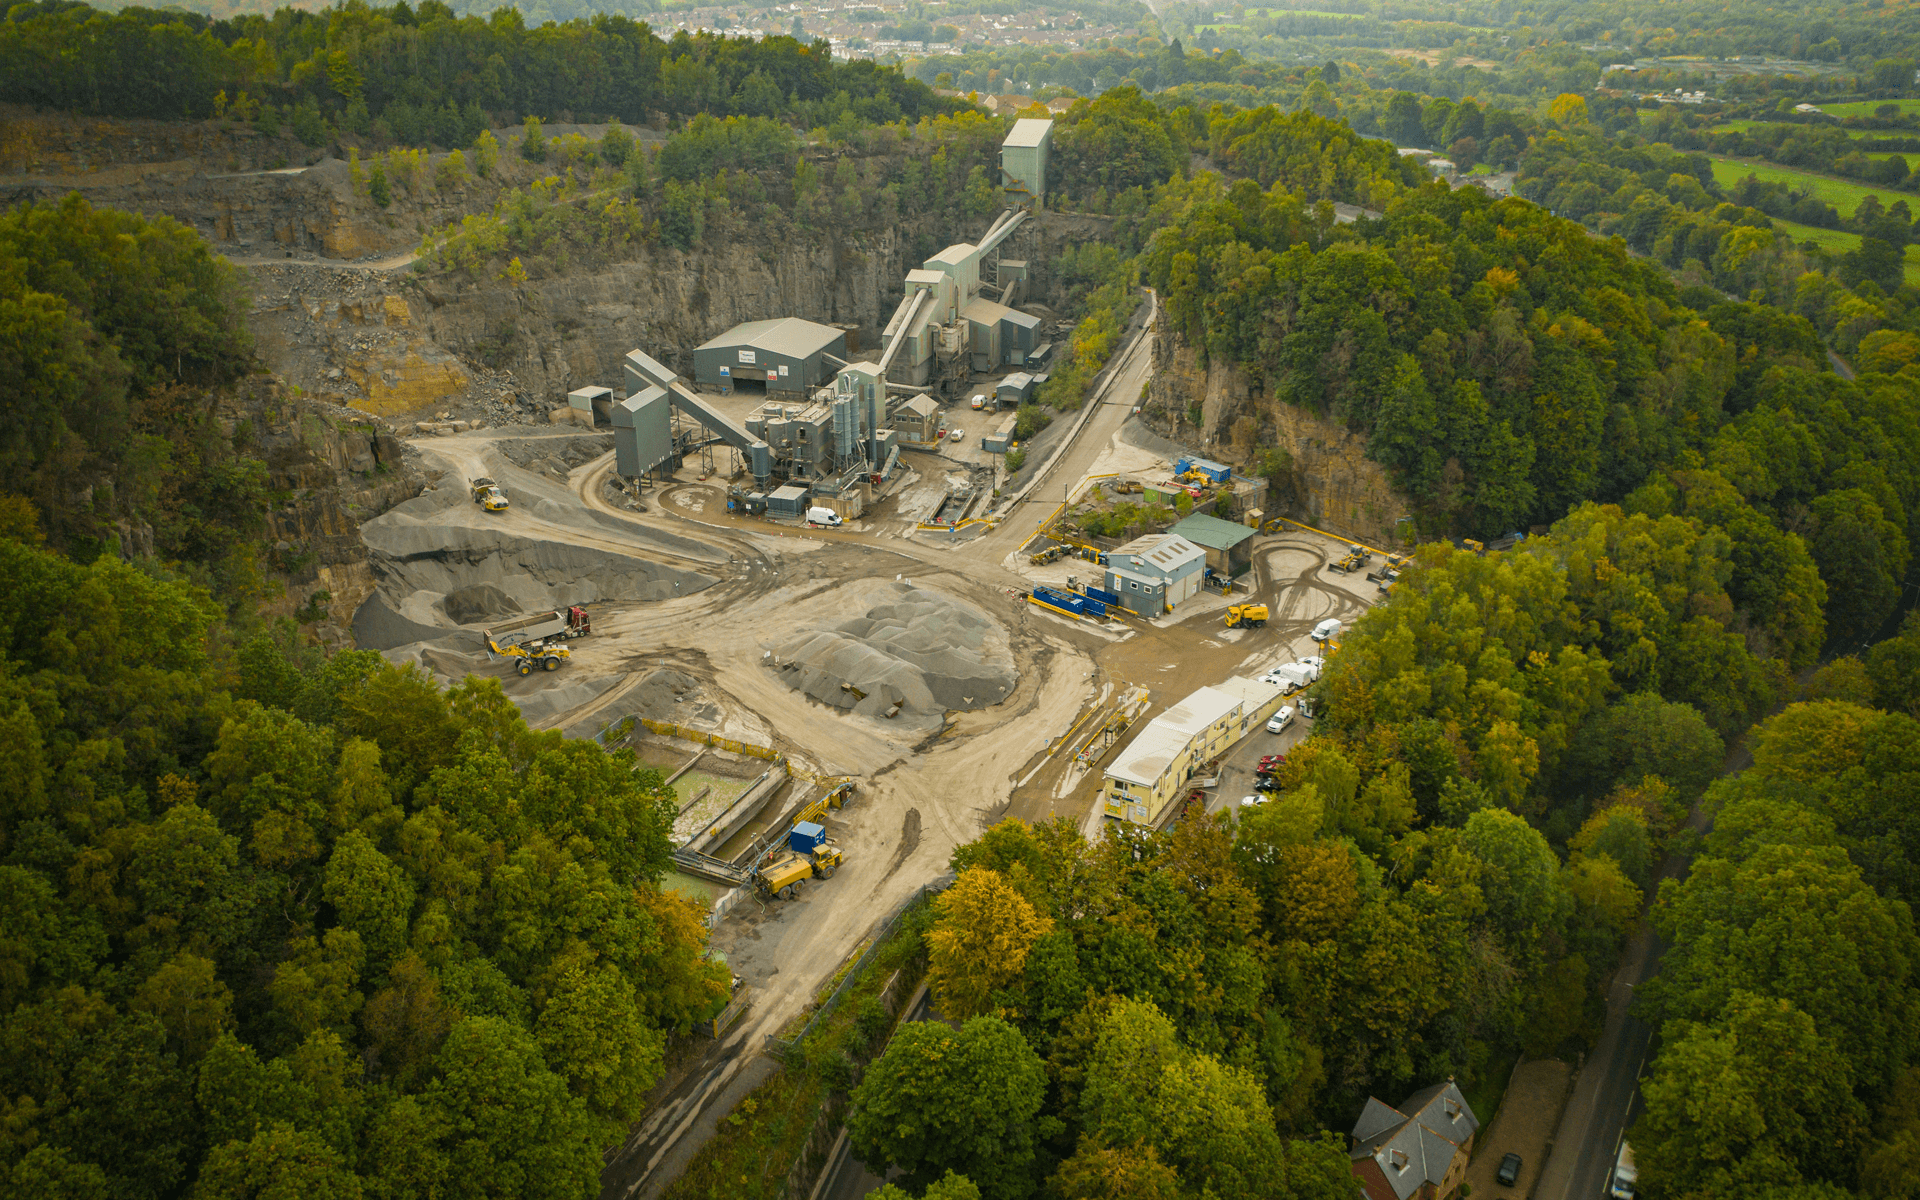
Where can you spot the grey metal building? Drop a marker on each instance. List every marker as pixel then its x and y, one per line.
pixel 642 431
pixel 787 354
pixel 1023 162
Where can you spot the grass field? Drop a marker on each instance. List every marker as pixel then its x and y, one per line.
pixel 1746 126
pixel 1844 194
pixel 1864 108
pixel 1841 241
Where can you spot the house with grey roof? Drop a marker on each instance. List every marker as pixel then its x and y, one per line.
pixel 1418 1151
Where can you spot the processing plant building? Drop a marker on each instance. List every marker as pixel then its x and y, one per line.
pixel 832 427
pixel 786 355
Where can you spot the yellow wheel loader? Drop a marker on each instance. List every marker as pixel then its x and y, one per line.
pixel 528 655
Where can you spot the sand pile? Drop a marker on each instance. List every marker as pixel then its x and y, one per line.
pixel 918 648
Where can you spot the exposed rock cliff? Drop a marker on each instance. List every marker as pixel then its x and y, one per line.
pixel 330 469
pixel 393 341
pixel 1335 485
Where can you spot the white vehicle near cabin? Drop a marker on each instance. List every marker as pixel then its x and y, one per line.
pixel 1280 720
pixel 822 516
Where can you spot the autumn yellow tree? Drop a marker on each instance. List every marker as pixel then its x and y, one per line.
pixel 1568 110
pixel 979 941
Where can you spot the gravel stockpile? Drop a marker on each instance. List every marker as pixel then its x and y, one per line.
pixel 436 570
pixel 917 648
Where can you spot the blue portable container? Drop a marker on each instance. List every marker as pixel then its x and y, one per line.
pixel 1072 602
pixel 1102 595
pixel 806 837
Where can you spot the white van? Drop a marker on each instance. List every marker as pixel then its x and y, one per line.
pixel 1280 720
pixel 979 402
pixel 822 516
pixel 1325 630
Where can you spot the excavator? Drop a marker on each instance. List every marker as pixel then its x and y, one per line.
pixel 1252 616
pixel 530 654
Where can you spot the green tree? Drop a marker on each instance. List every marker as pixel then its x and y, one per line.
pixel 277 1161
pixel 511 1128
pixel 593 1034
pixel 941 1100
pixel 949 1187
pixel 191 1002
pixel 372 895
pixel 533 141
pixel 1863 557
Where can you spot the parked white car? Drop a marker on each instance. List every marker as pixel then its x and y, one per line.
pixel 1280 720
pixel 958 435
pixel 1326 630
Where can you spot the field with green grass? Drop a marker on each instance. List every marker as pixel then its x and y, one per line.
pixel 1864 108
pixel 1844 194
pixel 1839 241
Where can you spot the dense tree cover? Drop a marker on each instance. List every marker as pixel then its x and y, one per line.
pixel 112 329
pixel 1787 1006
pixel 283 925
pixel 1205 999
pixel 1507 367
pixel 725 178
pixel 426 74
pixel 1445 878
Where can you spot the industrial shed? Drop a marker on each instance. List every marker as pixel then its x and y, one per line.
pixel 1226 544
pixel 788 354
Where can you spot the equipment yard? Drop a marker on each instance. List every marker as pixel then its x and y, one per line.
pixel 913 666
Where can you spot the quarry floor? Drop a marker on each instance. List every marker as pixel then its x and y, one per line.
pixel 926 783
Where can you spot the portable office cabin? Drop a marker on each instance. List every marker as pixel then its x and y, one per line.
pixel 1023 162
pixel 1001 438
pixel 787 354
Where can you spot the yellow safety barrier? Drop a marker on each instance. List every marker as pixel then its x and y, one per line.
pixel 668 729
pixel 1343 540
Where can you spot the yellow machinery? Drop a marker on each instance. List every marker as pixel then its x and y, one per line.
pixel 1273 525
pixel 783 876
pixel 809 855
pixel 1250 615
pixel 528 655
pixel 836 796
pixel 487 494
pixel 1476 547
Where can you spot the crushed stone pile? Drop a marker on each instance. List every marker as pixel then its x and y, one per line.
pixel 918 648
pixel 479 604
pixel 432 568
pixel 555 457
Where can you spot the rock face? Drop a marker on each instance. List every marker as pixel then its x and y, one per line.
pixel 388 342
pixel 330 469
pixel 1336 487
